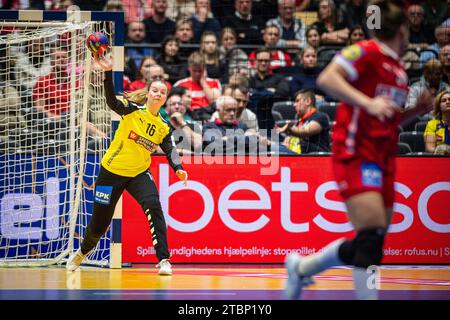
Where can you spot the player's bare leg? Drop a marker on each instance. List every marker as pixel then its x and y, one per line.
pixel 368 215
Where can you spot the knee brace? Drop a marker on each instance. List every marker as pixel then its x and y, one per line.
pixel 368 246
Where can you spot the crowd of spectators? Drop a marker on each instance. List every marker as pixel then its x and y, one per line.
pixel 257 53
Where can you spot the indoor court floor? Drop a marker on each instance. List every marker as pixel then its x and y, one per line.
pixel 212 282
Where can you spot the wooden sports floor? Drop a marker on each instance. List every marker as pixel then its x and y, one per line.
pixel 212 282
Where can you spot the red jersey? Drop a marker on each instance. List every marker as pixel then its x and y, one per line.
pixel 199 99
pixel 55 93
pixel 374 69
pixel 278 59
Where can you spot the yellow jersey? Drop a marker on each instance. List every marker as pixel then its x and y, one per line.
pixel 439 129
pixel 137 137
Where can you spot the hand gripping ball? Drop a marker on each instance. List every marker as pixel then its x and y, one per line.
pixel 97 43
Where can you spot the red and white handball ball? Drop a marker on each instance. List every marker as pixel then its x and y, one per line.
pixel 97 43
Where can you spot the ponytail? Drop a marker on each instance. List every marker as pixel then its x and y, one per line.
pixel 137 96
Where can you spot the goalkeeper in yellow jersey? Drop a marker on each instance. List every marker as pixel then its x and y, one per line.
pixel 126 166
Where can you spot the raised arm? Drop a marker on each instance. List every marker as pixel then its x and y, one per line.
pixel 121 107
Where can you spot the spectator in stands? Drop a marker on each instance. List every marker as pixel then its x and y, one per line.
pixel 10 102
pixel 435 12
pixel 292 30
pixel 278 58
pixel 32 63
pixel 158 26
pixel 356 34
pixel 242 97
pixel 142 69
pixel 170 60
pixel 353 13
pixel 185 35
pixel 444 58
pixel 330 30
pixel 311 131
pixel 135 10
pixel 420 35
pixel 175 106
pixel 217 132
pixel 264 81
pixel 431 80
pixel 149 73
pixel 313 37
pixel 307 73
pixel 437 134
pixel 235 58
pixel 248 27
pixel 239 79
pixel 186 96
pixel 204 90
pixel 136 35
pixel 203 20
pixel 51 93
pixel 442 34
pixel 209 48
pixel 180 9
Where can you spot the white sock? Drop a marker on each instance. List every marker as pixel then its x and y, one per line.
pixel 318 262
pixel 365 283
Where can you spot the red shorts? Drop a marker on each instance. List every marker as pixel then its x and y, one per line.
pixel 356 176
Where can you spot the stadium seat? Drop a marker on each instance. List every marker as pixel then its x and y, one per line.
pixel 414 139
pixel 403 148
pixel 325 54
pixel 329 108
pixel 410 125
pixel 420 126
pixel 283 110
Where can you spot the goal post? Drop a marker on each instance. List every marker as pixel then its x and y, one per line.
pixel 55 127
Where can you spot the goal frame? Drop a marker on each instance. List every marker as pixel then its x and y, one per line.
pixel 31 17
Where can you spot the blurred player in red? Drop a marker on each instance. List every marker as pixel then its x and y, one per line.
pixel 371 83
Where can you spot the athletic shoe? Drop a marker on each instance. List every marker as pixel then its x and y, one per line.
pixel 75 260
pixel 295 282
pixel 165 269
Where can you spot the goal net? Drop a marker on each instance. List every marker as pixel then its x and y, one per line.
pixel 54 129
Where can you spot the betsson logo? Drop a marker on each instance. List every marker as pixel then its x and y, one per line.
pixel 286 187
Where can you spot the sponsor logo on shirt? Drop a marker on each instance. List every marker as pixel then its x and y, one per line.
pixel 371 175
pixel 147 144
pixel 103 194
pixel 396 94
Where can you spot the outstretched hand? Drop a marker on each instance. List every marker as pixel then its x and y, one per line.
pixel 103 62
pixel 183 176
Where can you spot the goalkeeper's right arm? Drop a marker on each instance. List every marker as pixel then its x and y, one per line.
pixel 121 107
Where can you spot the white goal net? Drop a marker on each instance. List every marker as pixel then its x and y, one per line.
pixel 54 129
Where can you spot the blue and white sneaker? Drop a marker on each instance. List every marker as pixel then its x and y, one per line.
pixel 295 282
